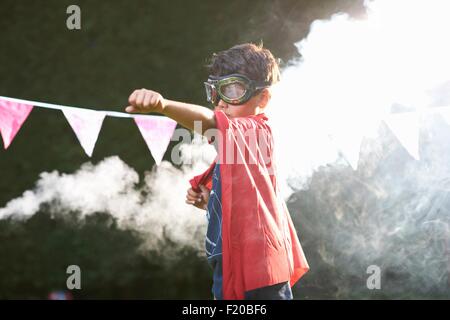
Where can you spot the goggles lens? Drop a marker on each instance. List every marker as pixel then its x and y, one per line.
pixel 233 91
pixel 211 93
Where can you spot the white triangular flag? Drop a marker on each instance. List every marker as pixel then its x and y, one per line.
pixel 86 124
pixel 156 132
pixel 445 113
pixel 349 144
pixel 405 127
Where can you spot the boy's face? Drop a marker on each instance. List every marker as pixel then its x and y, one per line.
pixel 228 90
pixel 253 106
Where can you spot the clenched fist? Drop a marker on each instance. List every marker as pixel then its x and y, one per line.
pixel 144 101
pixel 198 199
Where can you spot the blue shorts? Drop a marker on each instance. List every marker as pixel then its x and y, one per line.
pixel 280 291
pixel 216 265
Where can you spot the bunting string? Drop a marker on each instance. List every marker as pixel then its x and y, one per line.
pixel 86 124
pixel 158 130
pixel 62 107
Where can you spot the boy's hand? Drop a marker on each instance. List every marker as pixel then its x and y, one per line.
pixel 198 199
pixel 145 101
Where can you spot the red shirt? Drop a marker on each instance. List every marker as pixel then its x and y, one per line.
pixel 260 246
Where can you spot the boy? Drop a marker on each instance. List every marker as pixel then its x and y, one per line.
pixel 251 242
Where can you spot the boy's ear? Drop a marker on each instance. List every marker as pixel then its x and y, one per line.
pixel 264 97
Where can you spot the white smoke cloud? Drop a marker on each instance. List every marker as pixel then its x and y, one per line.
pixel 157 208
pixel 392 211
pixel 351 74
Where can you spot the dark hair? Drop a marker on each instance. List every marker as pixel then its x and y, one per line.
pixel 248 59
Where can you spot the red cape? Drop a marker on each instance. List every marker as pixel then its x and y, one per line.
pixel 205 179
pixel 260 246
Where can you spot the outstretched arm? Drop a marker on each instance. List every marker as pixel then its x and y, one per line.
pixel 145 101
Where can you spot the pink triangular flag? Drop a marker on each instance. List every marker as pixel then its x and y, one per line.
pixel 86 124
pixel 12 116
pixel 156 132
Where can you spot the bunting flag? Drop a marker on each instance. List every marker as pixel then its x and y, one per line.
pixel 86 124
pixel 349 145
pixel 12 116
pixel 445 113
pixel 156 132
pixel 405 127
